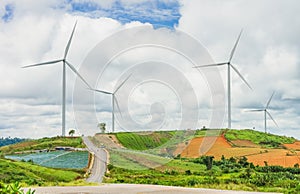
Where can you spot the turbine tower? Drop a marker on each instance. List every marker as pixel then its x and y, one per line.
pixel 266 112
pixel 229 65
pixel 114 99
pixel 64 63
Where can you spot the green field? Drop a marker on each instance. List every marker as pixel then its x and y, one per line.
pixel 56 159
pixel 144 141
pixel 230 174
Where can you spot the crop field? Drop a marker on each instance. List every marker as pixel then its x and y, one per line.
pixel 244 143
pixel 56 159
pixel 140 141
pixel 294 146
pixel 256 153
pixel 278 157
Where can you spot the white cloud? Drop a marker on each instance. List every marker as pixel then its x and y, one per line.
pixel 267 55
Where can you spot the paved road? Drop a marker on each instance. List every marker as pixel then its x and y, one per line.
pixel 99 167
pixel 132 189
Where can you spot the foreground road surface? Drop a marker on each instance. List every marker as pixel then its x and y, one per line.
pixel 132 189
pixel 99 168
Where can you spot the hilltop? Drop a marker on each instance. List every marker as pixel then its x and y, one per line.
pixel 260 148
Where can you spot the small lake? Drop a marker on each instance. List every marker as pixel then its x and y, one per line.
pixel 55 159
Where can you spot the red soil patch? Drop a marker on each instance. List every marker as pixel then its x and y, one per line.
pixel 244 143
pixel 279 157
pixel 203 145
pixel 294 146
pixel 218 146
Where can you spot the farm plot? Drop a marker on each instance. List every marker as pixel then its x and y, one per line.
pixel 56 159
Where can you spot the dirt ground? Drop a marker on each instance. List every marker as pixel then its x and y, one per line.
pixel 218 146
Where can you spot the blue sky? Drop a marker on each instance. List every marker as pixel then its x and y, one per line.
pixel 156 12
pixel 9 13
pixel 159 13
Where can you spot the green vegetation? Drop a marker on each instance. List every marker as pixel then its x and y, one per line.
pixel 55 159
pixel 44 143
pixel 259 138
pixel 13 188
pixel 231 174
pixel 144 141
pixel 30 174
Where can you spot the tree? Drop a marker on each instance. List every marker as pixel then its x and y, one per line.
pixel 102 127
pixel 208 161
pixel 71 132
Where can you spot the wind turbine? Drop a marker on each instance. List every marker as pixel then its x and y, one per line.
pixel 266 112
pixel 64 63
pixel 114 99
pixel 229 65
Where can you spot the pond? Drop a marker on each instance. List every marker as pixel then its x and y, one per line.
pixel 55 159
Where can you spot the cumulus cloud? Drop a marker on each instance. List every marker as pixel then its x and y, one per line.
pixel 35 31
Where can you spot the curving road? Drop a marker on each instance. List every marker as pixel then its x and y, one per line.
pixel 99 167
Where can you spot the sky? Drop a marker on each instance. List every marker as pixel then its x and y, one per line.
pixel 156 43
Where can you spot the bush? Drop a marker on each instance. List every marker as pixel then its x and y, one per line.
pixel 13 188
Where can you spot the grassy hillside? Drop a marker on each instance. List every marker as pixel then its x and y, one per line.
pixel 227 173
pixel 44 143
pixel 144 141
pixel 30 174
pixel 259 138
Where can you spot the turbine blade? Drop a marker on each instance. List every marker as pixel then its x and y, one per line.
pixel 77 73
pixel 268 103
pixel 211 65
pixel 69 42
pixel 272 118
pixel 101 91
pixel 115 99
pixel 122 83
pixel 235 45
pixel 255 110
pixel 44 63
pixel 235 69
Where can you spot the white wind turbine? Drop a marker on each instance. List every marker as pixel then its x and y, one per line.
pixel 229 65
pixel 114 99
pixel 266 112
pixel 64 63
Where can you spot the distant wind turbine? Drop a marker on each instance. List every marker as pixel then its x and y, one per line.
pixel 229 64
pixel 114 99
pixel 266 112
pixel 64 62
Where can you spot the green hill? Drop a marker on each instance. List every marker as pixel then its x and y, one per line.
pixel 44 143
pixel 30 174
pixel 259 138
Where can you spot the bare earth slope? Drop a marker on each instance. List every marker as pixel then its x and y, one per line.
pixel 284 157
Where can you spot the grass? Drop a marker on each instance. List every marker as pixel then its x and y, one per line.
pixel 44 143
pixel 224 175
pixel 259 138
pixel 30 174
pixel 144 141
